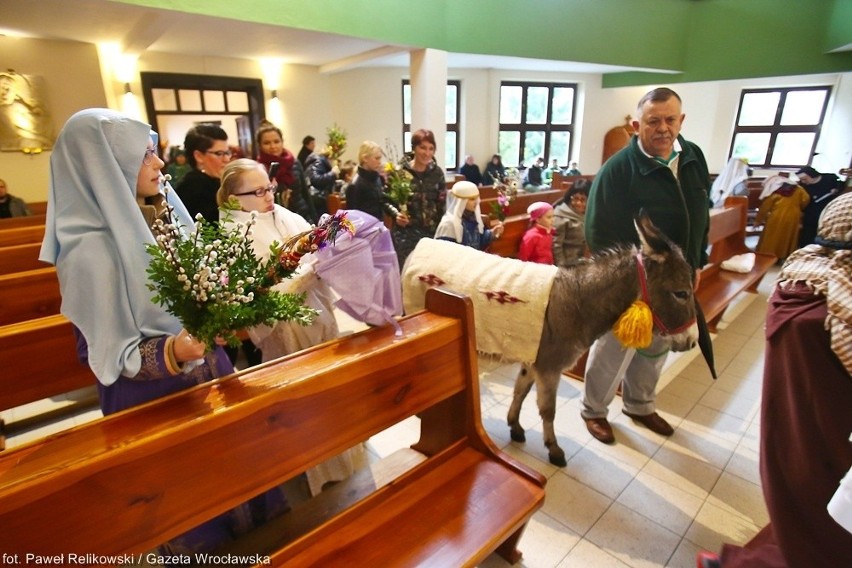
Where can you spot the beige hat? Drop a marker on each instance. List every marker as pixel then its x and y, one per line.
pixel 465 190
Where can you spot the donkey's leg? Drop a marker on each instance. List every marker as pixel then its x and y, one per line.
pixel 545 386
pixel 523 384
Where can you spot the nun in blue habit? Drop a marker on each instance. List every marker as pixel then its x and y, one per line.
pixel 106 190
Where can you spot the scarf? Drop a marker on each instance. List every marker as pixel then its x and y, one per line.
pixel 286 160
pixel 826 268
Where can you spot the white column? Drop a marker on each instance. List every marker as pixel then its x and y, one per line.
pixel 429 95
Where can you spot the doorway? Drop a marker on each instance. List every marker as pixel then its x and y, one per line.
pixel 175 102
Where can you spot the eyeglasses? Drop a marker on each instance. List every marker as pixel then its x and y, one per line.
pixel 149 156
pixel 220 153
pixel 260 192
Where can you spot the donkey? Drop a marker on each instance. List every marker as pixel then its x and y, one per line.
pixel 584 302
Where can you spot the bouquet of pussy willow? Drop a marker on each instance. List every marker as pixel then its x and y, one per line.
pixel 211 280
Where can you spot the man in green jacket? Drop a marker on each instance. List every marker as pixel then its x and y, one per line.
pixel 667 176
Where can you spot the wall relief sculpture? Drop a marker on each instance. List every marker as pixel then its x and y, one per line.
pixel 25 124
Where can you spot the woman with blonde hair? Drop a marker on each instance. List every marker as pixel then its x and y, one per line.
pixel 366 193
pixel 246 183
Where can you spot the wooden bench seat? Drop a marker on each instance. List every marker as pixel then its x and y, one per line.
pixel 718 288
pixel 39 360
pixel 19 258
pixel 29 295
pixel 130 481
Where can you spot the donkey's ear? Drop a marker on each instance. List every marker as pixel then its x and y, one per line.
pixel 655 244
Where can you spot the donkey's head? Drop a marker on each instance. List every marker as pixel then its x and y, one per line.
pixel 668 285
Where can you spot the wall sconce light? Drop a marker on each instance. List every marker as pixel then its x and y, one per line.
pixel 274 94
pixel 31 151
pixel 127 90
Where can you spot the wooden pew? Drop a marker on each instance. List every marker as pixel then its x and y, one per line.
pixel 18 258
pixel 37 207
pixel 13 222
pixel 21 235
pixel 718 287
pixel 509 242
pixel 29 295
pixel 39 360
pixel 563 182
pixel 519 205
pixel 130 481
pixel 334 202
pixel 487 192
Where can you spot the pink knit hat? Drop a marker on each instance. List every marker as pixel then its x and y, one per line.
pixel 537 209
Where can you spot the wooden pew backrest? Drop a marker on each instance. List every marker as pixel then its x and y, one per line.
pixel 19 258
pixel 29 295
pixel 135 479
pixel 14 222
pixel 21 235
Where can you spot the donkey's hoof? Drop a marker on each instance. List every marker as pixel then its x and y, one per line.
pixel 518 435
pixel 558 459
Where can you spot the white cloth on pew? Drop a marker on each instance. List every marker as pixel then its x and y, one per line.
pixel 509 296
pixel 739 263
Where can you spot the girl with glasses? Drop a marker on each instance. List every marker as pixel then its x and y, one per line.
pixel 246 181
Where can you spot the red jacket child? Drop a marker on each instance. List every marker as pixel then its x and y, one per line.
pixel 537 243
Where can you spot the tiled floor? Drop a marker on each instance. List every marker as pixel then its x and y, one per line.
pixel 646 501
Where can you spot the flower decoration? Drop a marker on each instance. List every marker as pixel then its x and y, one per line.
pixel 398 178
pixel 211 280
pixel 507 190
pixel 336 142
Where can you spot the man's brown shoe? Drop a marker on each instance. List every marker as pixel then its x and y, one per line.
pixel 653 422
pixel 600 429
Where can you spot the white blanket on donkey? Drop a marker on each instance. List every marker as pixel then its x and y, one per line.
pixel 509 296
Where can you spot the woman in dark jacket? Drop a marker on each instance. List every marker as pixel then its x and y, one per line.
pixel 322 176
pixel 367 193
pixel 425 207
pixel 494 171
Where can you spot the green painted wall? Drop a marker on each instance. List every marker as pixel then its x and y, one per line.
pixel 839 32
pixel 698 40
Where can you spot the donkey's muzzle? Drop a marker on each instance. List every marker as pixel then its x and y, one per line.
pixel 686 339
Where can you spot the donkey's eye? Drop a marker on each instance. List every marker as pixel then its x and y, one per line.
pixel 681 294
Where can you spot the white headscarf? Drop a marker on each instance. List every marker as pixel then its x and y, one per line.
pixel 95 235
pixel 451 225
pixel 735 171
pixel 773 184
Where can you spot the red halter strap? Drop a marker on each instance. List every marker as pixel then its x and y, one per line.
pixel 643 284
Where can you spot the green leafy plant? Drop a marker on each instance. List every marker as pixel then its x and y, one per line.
pixel 336 142
pixel 398 178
